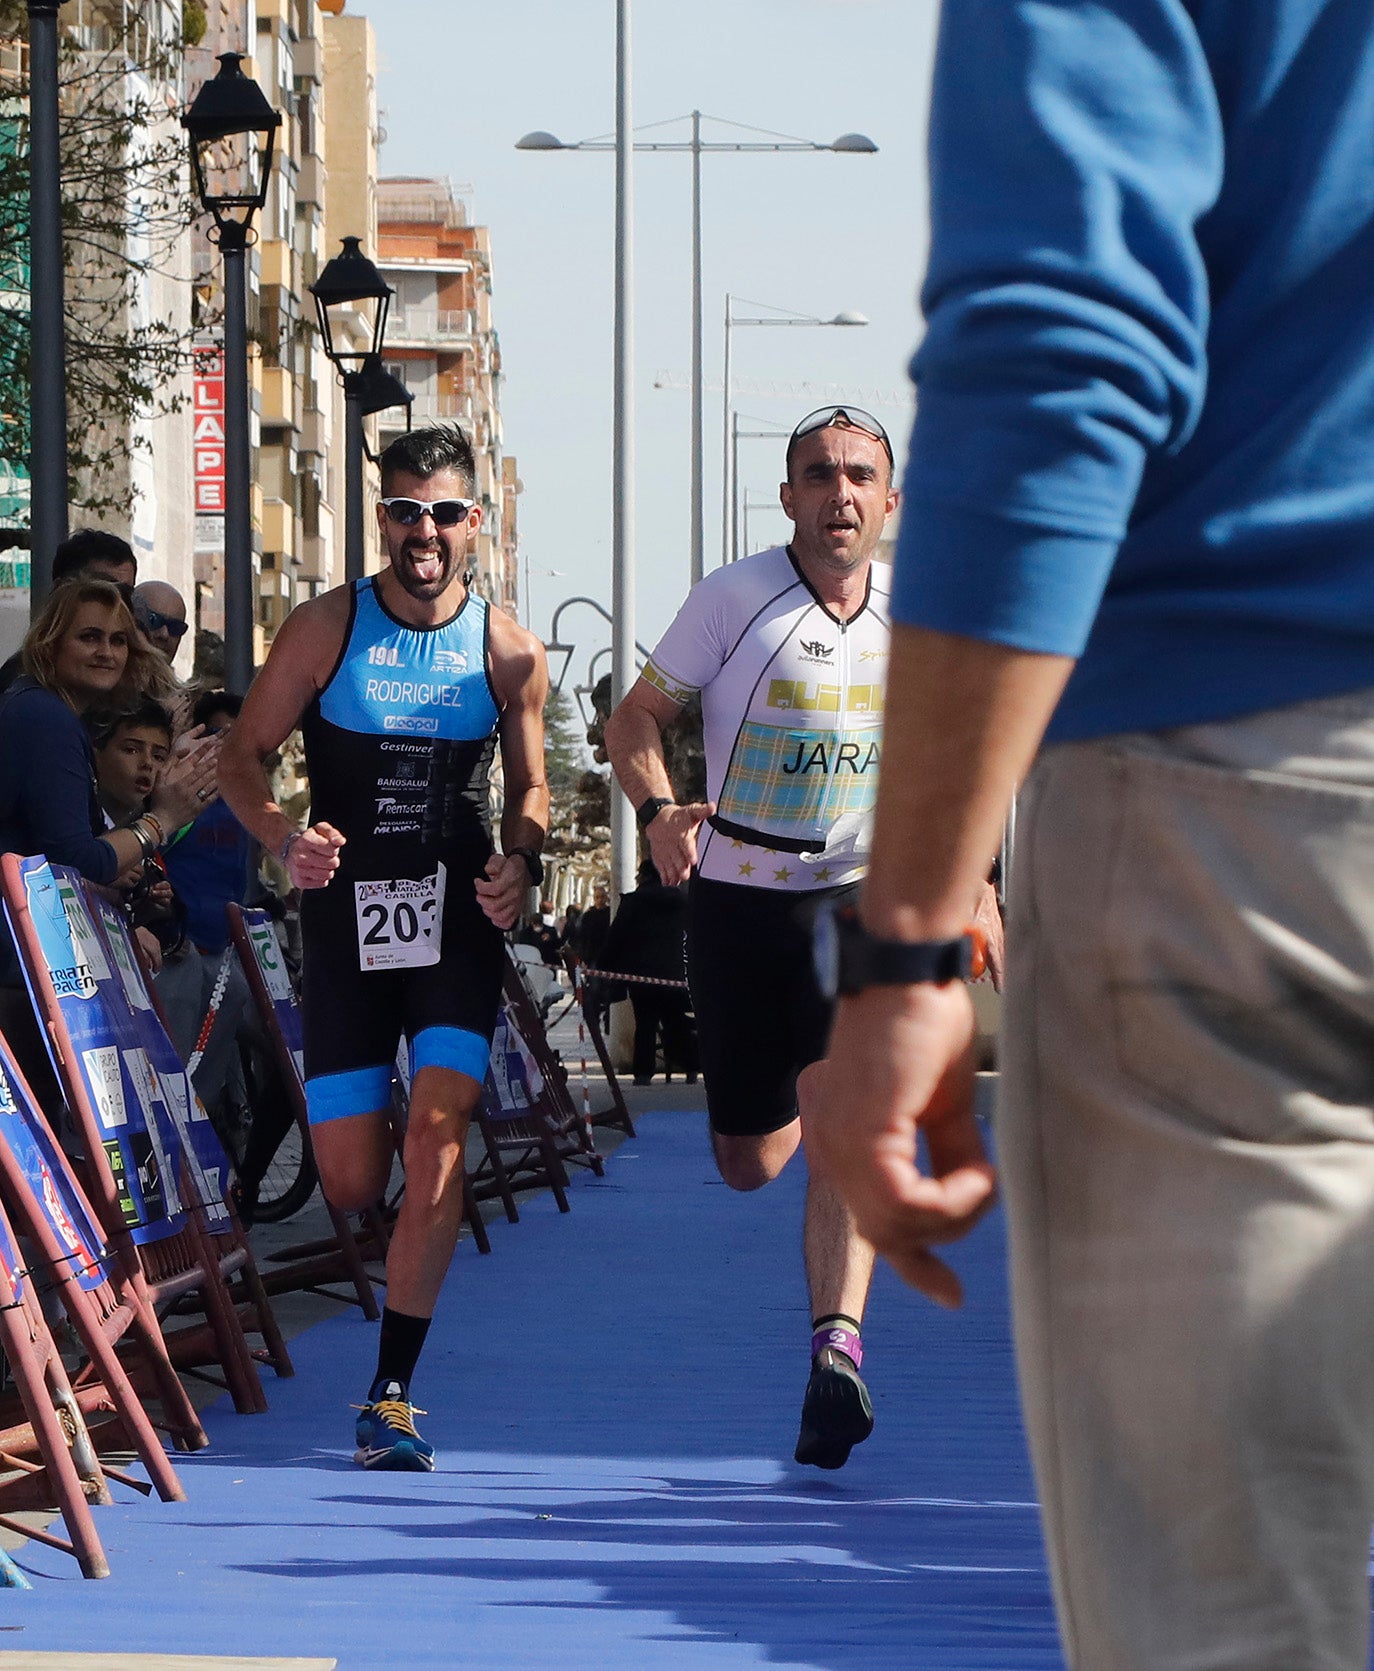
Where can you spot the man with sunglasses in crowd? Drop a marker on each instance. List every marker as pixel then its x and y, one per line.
pixel 403 684
pixel 161 611
pixel 787 650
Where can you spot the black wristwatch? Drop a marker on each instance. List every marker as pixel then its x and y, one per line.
pixel 533 863
pixel 648 810
pixel 848 958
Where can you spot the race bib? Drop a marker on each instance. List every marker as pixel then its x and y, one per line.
pixel 400 923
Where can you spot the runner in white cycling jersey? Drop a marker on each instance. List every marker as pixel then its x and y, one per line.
pixel 788 650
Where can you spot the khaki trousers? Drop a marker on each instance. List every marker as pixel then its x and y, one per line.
pixel 1187 1142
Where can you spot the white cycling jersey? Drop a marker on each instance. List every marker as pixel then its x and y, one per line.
pixel 792 702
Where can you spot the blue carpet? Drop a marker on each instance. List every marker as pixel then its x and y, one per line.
pixel 614 1395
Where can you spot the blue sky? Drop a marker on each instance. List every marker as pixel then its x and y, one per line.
pixel 812 233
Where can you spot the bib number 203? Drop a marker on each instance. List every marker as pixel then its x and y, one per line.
pixel 400 922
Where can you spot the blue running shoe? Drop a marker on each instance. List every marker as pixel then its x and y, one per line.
pixel 386 1434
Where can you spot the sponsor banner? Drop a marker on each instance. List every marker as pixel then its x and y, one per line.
pixel 262 937
pixel 30 1142
pixel 513 1076
pixel 172 1111
pixel 207 441
pixel 75 956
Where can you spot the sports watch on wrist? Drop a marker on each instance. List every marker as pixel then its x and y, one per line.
pixel 848 958
pixel 647 811
pixel 533 863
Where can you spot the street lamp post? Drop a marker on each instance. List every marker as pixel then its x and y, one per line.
pixel 233 132
pixel 847 144
pixel 48 349
pixel 729 532
pixel 349 289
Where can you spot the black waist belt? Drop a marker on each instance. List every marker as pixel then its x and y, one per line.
pixel 761 838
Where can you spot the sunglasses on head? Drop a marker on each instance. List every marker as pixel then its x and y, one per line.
pixel 447 513
pixel 854 416
pixel 153 620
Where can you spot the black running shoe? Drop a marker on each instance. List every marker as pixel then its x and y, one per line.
pixel 837 1413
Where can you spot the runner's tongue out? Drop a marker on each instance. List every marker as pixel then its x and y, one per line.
pixel 428 565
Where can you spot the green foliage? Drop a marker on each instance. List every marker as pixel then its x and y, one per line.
pixel 565 756
pixel 193 23
pixel 126 204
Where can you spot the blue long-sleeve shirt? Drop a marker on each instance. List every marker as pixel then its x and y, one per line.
pixel 1145 427
pixel 47 792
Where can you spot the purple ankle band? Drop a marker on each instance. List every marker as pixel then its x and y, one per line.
pixel 842 1339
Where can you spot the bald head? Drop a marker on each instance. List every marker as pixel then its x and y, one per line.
pixel 161 611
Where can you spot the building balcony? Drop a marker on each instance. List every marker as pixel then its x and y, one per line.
pixel 310 182
pixel 279 402
pixel 307 59
pixel 279 264
pixel 429 408
pixel 312 431
pixel 278 535
pixel 428 328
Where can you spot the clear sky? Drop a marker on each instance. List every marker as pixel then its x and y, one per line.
pixel 816 234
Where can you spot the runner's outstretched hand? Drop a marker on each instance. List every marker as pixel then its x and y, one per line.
pixel 503 892
pixel 673 840
pixel 901 1058
pixel 313 856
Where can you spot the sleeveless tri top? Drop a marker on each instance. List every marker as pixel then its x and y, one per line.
pixel 399 742
pixel 792 704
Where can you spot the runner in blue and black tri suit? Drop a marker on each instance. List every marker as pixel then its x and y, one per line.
pixel 403 685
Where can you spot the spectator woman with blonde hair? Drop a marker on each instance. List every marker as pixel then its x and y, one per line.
pixel 83 648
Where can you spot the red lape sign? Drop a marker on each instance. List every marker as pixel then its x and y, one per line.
pixel 208 437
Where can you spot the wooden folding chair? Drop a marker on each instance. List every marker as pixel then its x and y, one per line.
pixel 519 1139
pixel 574 1136
pixel 167 1260
pixel 105 1308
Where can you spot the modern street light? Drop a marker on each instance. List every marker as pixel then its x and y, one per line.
pixel 847 144
pixel 736 436
pixel 729 538
pixel 48 347
pixel 352 301
pixel 233 133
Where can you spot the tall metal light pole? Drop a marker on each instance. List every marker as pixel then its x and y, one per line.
pixel 47 340
pixel 233 133
pixel 624 848
pixel 729 531
pixel 849 144
pixel 350 288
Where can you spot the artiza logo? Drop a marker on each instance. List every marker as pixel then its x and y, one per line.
pixel 821 652
pixel 450 661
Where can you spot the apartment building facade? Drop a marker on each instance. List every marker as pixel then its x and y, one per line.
pixel 316 62
pixel 442 344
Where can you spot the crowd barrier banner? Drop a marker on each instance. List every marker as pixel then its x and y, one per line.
pixel 266 949
pixel 73 954
pixel 163 1086
pixel 26 1133
pixel 514 1077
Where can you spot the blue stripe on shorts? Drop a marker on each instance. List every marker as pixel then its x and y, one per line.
pixel 451 1047
pixel 334 1096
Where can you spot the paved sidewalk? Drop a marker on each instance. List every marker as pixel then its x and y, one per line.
pixel 614 1394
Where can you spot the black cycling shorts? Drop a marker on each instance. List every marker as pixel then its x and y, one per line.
pixel 761 1017
pixel 353 1020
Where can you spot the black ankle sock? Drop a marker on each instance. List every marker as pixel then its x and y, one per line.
pixel 398 1351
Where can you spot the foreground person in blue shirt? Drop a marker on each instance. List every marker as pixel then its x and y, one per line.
pixel 1139 527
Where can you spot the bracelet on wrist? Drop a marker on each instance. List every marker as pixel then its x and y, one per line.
pixel 154 826
pixel 144 836
pixel 284 851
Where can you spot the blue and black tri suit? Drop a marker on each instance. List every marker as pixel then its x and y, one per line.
pixel 399 745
